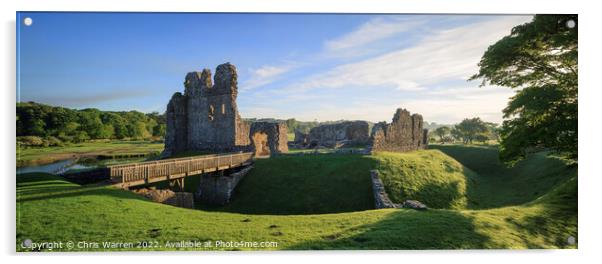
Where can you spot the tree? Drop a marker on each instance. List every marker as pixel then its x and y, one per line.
pixel 45 121
pixel 138 130
pixel 106 131
pixel 159 130
pixel 441 132
pixel 539 60
pixel 470 128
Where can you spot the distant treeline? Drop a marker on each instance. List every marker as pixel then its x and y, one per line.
pixel 467 132
pixel 45 125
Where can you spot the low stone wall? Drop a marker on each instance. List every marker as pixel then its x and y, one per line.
pixel 216 189
pixel 165 196
pixel 333 135
pixel 381 198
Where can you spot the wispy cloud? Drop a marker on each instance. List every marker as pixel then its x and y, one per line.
pixel 265 75
pixel 355 42
pixel 416 77
pixel 450 54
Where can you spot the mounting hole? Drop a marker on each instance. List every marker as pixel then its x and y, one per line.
pixel 571 240
pixel 27 21
pixel 570 23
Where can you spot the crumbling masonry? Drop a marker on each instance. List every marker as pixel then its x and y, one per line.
pixel 206 118
pixel 404 133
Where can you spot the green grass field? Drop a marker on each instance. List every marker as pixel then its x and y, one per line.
pixel 533 205
pixel 36 156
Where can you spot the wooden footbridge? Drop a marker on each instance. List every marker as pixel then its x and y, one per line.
pixel 175 170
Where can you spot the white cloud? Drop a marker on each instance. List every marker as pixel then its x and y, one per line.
pixel 450 54
pixel 422 78
pixel 265 75
pixel 370 32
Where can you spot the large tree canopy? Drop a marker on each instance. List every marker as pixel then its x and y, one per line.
pixel 539 60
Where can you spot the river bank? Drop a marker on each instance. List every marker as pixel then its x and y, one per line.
pixel 89 150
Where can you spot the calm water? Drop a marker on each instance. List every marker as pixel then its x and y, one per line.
pixel 70 164
pixel 54 168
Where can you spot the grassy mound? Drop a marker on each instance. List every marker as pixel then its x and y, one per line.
pixel 461 177
pixel 426 175
pixel 307 184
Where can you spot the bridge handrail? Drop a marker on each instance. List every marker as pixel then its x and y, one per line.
pixel 151 169
pixel 175 159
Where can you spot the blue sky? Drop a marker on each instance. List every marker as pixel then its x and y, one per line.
pixel 306 66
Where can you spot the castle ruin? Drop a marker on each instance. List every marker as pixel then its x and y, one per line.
pixel 205 118
pixel 404 133
pixel 343 134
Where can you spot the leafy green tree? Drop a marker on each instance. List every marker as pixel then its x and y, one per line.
pixel 481 138
pixel 159 130
pixel 539 60
pixel 138 130
pixel 92 125
pixel 106 132
pixel 114 119
pixel 80 136
pixel 470 128
pixel 441 132
pixel 456 134
pixel 292 124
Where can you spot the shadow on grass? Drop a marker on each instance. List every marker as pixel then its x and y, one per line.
pixel 497 185
pixel 557 221
pixel 407 229
pixel 42 186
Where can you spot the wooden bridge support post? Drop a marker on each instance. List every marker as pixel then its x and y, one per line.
pixel 179 183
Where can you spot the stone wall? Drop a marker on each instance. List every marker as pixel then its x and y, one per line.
pixel 300 137
pixel 217 189
pixel 179 199
pixel 206 117
pixel 381 198
pixel 268 138
pixel 176 137
pixel 404 133
pixel 349 132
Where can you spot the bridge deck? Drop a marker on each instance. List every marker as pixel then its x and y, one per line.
pixel 127 175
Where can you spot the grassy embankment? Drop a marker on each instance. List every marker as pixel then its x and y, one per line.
pixel 527 208
pixel 121 149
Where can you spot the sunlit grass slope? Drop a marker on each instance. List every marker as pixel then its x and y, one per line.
pixel 429 176
pixel 50 209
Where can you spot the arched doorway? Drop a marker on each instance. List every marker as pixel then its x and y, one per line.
pixel 260 140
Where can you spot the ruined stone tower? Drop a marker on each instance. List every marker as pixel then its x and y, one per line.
pixel 404 133
pixel 206 118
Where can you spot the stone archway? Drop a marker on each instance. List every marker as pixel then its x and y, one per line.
pixel 260 140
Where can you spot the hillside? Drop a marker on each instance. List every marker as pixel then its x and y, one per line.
pixel 461 177
pixel 49 208
pixel 429 176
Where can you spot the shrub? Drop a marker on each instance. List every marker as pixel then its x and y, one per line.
pixel 30 141
pixel 53 142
